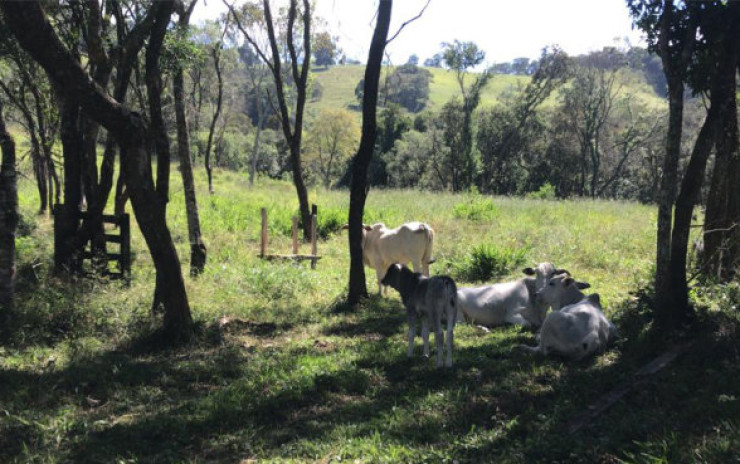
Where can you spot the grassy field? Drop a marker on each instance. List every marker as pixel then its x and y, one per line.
pixel 295 377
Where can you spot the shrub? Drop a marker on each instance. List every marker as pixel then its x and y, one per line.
pixel 487 261
pixel 546 192
pixel 476 209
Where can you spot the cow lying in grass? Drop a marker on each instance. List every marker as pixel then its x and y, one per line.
pixel 411 242
pixel 431 298
pixel 508 302
pixel 561 290
pixel 577 329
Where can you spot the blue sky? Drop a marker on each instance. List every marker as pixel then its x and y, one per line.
pixel 504 29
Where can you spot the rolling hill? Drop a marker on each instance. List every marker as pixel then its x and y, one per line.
pixel 339 82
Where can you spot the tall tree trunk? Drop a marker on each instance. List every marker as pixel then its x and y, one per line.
pixel 668 182
pixel 198 252
pixel 721 219
pixel 66 252
pixel 358 187
pixel 675 56
pixel 8 217
pixel 28 23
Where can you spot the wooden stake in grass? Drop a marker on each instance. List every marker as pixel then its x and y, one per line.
pixel 313 240
pixel 295 235
pixel 263 244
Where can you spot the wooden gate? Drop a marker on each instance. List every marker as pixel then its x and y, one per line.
pixel 123 239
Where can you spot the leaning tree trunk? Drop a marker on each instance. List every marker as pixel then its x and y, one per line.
pixel 8 216
pixel 28 23
pixel 358 188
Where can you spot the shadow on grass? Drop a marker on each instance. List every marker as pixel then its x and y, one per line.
pixel 216 403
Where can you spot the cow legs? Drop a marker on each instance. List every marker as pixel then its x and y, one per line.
pixel 380 274
pixel 411 317
pixel 450 339
pixel 439 337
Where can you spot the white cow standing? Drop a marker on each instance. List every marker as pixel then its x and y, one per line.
pixel 411 242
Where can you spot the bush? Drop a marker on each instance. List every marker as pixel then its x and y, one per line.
pixel 476 209
pixel 486 262
pixel 546 192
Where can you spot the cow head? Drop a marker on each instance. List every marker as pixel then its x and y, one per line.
pixel 552 293
pixel 543 272
pixel 392 276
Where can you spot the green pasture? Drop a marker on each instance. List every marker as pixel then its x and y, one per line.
pixel 339 82
pixel 292 375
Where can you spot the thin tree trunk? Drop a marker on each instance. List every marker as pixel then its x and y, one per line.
pixel 198 252
pixel 256 146
pixel 216 114
pixel 358 187
pixel 675 58
pixel 8 217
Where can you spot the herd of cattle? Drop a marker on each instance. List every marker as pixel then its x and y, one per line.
pixel 575 328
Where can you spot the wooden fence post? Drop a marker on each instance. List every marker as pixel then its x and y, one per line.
pixel 263 245
pixel 313 240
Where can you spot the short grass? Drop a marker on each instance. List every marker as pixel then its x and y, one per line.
pixel 294 377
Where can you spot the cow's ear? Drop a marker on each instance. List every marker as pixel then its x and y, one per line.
pixel 529 271
pixel 582 285
pixel 568 281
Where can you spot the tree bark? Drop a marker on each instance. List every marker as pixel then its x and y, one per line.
pixel 8 217
pixel 675 63
pixel 198 252
pixel 722 218
pixel 358 186
pixel 66 251
pixel 685 201
pixel 29 25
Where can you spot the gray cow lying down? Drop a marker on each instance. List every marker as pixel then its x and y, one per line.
pixel 508 302
pixel 577 330
pixel 432 298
